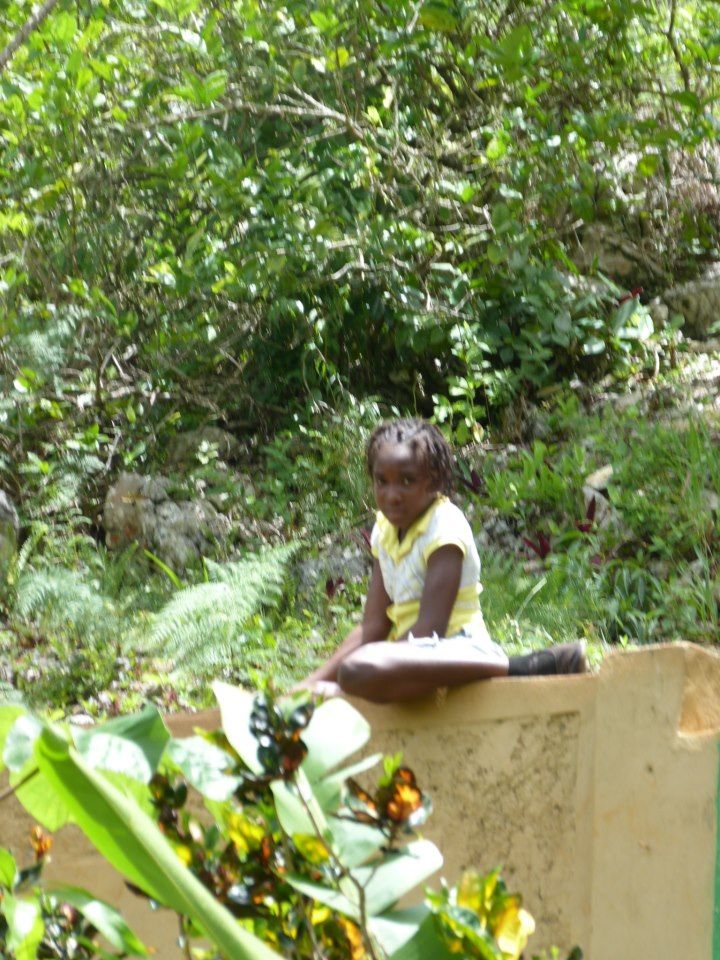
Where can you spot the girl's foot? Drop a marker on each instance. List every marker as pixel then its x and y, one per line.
pixel 564 658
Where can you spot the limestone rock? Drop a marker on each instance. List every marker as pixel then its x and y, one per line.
pixel 599 479
pixel 607 517
pixel 614 255
pixel 698 301
pixel 140 510
pixel 350 564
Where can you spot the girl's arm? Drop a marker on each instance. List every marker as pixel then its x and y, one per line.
pixel 440 590
pixel 375 626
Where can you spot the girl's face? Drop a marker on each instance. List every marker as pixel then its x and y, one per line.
pixel 402 483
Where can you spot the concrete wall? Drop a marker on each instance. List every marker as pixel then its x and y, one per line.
pixel 598 796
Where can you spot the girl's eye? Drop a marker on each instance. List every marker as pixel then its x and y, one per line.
pixel 408 481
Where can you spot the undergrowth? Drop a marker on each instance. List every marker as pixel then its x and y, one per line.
pixel 88 630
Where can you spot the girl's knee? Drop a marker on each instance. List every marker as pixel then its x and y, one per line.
pixel 359 676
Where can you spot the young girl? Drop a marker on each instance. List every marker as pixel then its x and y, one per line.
pixel 422 626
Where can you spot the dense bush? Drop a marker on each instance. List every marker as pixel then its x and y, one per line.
pixel 224 211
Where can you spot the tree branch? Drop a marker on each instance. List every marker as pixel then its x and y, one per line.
pixel 31 24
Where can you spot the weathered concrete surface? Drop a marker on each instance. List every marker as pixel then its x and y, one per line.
pixel 596 794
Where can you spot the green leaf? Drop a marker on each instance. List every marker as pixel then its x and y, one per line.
pixel 8 868
pixel 203 765
pixel 134 845
pixel 436 15
pixel 25 926
pixel 8 715
pixel 330 897
pixel 393 930
pixel 106 919
pixel 593 346
pixel 290 809
pixel 426 944
pixel 324 21
pixel 354 842
pixel 329 790
pixel 399 873
pixel 497 147
pixel 131 745
pixel 647 165
pixel 63 27
pixel 20 741
pixel 40 803
pixel 335 731
pixel 213 86
pixel 235 709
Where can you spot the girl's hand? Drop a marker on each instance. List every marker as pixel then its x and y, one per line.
pixel 325 689
pixel 319 688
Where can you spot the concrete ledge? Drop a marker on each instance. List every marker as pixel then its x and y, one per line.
pixel 598 796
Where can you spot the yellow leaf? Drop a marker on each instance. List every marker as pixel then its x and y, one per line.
pixel 184 854
pixel 310 847
pixel 244 834
pixel 513 929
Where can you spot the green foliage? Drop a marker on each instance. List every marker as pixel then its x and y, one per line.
pixel 314 476
pixel 281 203
pixel 648 574
pixel 201 629
pixel 311 865
pixel 61 923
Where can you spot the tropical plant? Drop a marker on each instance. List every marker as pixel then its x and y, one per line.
pixel 59 923
pixel 308 861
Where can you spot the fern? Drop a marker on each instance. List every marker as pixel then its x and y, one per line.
pixel 201 628
pixel 65 602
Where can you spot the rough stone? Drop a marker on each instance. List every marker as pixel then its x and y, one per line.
pixel 350 564
pixel 659 313
pixel 614 255
pixel 497 534
pixel 599 479
pixel 139 510
pixel 606 516
pixel 698 301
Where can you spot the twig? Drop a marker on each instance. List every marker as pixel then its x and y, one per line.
pixel 9 791
pixel 32 23
pixel 672 40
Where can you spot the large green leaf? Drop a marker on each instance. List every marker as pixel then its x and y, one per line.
pixel 129 745
pixel 40 803
pixel 8 715
pixel 355 843
pixel 425 944
pixel 20 741
pixel 393 930
pixel 235 708
pixel 399 873
pixel 336 900
pixel 335 731
pixel 134 845
pixel 292 812
pixel 204 765
pixel 25 926
pixel 329 789
pixel 8 868
pixel 106 919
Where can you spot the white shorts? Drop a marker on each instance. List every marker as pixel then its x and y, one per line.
pixel 466 642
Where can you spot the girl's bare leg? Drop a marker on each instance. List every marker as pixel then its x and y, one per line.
pixel 386 672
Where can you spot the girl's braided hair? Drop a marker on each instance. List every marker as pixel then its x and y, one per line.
pixel 424 439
